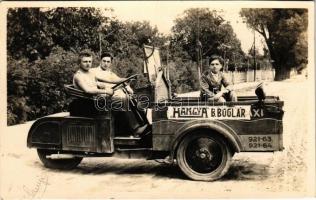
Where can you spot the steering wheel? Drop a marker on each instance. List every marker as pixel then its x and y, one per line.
pixel 124 81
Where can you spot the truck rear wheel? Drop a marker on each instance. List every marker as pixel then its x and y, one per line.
pixel 203 157
pixel 64 164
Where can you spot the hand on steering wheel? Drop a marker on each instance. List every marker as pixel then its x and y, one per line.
pixel 124 81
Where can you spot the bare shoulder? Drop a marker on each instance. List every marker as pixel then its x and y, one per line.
pixel 77 74
pixel 93 70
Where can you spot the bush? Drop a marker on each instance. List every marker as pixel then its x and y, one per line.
pixel 36 89
pixel 183 76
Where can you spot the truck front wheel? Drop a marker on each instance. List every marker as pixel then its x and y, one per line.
pixel 203 156
pixel 64 164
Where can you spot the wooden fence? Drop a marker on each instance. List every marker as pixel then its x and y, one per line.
pixel 248 76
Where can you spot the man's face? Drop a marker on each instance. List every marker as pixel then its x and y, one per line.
pixel 215 66
pixel 86 63
pixel 106 62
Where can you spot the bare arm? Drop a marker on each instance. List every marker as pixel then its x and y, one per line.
pixel 104 85
pixel 114 79
pixel 90 90
pixel 101 85
pixel 129 89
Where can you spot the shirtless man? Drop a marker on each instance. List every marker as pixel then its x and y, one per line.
pixel 84 78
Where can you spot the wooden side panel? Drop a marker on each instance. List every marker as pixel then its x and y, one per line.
pixel 88 134
pixel 260 129
pixel 105 133
pixel 163 133
pixel 254 127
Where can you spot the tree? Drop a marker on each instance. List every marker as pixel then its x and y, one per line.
pixel 36 86
pixel 204 30
pixel 42 29
pixel 125 41
pixel 284 31
pixel 76 28
pixel 208 27
pixel 262 60
pixel 27 30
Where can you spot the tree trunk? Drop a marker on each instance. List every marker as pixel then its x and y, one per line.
pixel 282 73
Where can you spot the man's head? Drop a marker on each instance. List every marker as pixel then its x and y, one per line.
pixel 216 63
pixel 106 60
pixel 85 60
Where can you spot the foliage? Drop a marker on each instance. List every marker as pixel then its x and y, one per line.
pixel 36 88
pixel 262 60
pixel 28 30
pixel 125 41
pixel 199 28
pixel 214 33
pixel 180 69
pixel 42 29
pixel 284 31
pixel 16 76
pixel 77 28
pixel 43 44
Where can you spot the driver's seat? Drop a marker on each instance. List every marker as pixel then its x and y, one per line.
pixel 83 104
pixel 74 92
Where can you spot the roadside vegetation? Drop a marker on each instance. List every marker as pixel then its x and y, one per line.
pixel 43 44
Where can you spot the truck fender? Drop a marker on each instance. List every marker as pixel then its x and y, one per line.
pixel 45 133
pixel 213 125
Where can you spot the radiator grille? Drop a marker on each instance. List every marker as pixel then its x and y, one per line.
pixel 80 135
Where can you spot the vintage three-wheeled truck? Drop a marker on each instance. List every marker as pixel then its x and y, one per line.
pixel 200 136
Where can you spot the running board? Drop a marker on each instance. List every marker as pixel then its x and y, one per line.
pixel 130 141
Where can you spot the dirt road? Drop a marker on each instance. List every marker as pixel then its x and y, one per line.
pixel 281 174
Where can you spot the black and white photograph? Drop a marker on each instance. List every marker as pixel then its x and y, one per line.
pixel 157 99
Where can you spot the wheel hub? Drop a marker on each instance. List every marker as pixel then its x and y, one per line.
pixel 204 153
pixel 203 157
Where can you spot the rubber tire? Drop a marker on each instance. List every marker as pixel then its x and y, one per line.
pixel 63 164
pixel 216 174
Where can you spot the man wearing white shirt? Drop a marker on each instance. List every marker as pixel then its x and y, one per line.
pixel 120 99
pixel 104 74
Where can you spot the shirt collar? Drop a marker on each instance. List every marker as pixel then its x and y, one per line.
pixel 213 74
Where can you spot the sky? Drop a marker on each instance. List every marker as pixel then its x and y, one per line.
pixel 162 15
